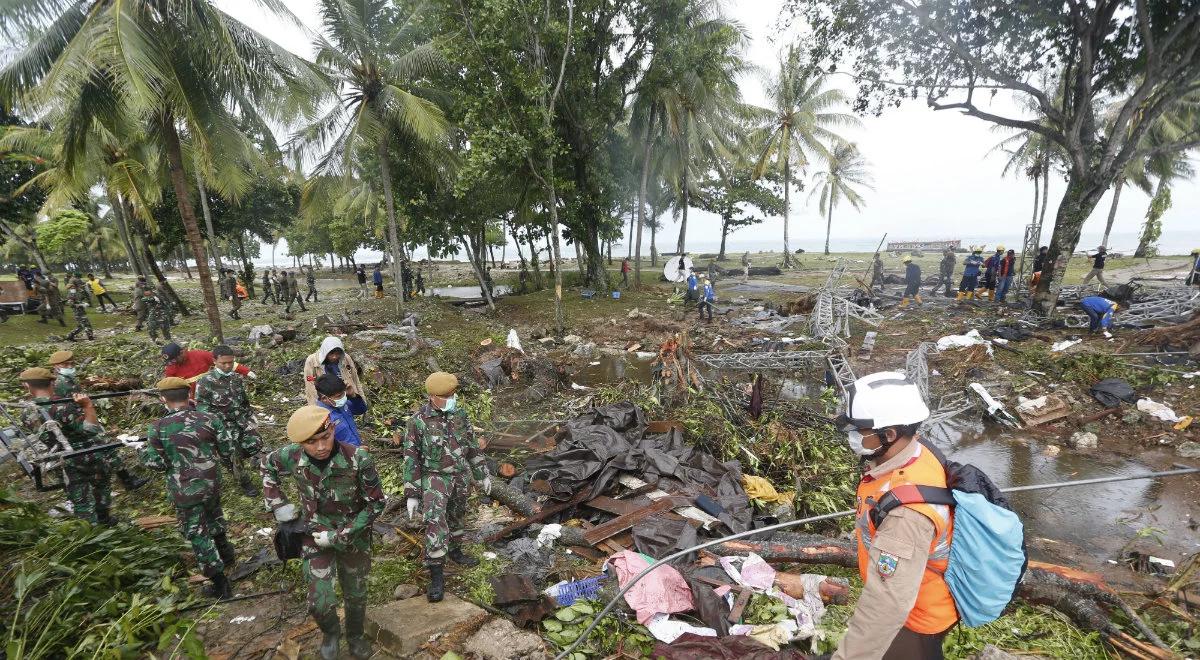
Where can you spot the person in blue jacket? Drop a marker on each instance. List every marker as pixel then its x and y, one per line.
pixel 692 283
pixel 970 278
pixel 1099 310
pixel 707 297
pixel 343 404
pixel 377 278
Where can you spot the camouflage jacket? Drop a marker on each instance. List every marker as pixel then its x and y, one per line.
pixel 155 307
pixel 230 286
pixel 225 397
pixel 49 292
pixel 164 300
pixel 310 278
pixel 184 445
pixel 285 287
pixel 137 293
pixel 78 431
pixel 440 443
pixel 344 497
pixel 65 386
pixel 223 284
pixel 77 299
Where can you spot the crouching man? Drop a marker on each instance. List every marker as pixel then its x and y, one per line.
pixel 340 497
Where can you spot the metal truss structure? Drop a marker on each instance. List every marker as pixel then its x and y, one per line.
pixel 1162 304
pixel 762 361
pixel 1029 248
pixel 916 366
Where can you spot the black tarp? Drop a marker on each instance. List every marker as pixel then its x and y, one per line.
pixel 608 441
pixel 1110 392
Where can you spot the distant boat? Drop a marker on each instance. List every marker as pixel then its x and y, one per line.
pixel 923 246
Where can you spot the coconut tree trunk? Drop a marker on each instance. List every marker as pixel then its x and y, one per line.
pixel 385 171
pixel 123 232
pixel 1045 189
pixel 555 245
pixel 641 203
pixel 30 245
pixel 629 236
pixel 681 244
pixel 537 271
pixel 195 241
pixel 653 248
pixel 247 268
pixel 475 258
pixel 183 264
pixel 212 235
pixel 103 257
pixel 829 223
pixel 152 266
pixel 787 208
pixel 1112 210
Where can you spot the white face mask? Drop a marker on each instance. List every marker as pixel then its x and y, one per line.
pixel 451 404
pixel 338 403
pixel 67 371
pixel 855 440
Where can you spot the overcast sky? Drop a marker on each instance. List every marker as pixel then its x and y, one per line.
pixel 933 176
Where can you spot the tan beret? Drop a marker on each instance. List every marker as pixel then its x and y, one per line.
pixel 58 357
pixel 305 422
pixel 36 373
pixel 441 384
pixel 172 383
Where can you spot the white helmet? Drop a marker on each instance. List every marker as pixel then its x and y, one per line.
pixel 883 399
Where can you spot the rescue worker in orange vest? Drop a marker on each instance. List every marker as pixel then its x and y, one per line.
pixel 905 609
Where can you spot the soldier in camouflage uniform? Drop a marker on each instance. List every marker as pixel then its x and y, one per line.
pixel 157 316
pixel 76 282
pixel 51 306
pixel 222 393
pixel 293 295
pixel 184 445
pixel 168 302
pixel 87 477
pixel 231 294
pixel 341 496
pixel 66 384
pixel 277 284
pixel 268 289
pixel 139 306
pixel 441 459
pixel 78 303
pixel 310 278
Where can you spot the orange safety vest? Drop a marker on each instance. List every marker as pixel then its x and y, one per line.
pixel 934 611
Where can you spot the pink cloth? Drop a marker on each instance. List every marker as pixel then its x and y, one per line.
pixel 663 590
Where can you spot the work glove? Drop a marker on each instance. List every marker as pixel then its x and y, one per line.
pixel 252 376
pixel 486 485
pixel 411 503
pixel 323 539
pixel 286 512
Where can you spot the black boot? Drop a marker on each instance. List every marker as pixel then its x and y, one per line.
pixel 437 584
pixel 249 489
pixel 225 550
pixel 104 517
pixel 456 555
pixel 220 588
pixel 332 639
pixel 360 646
pixel 62 323
pixel 130 480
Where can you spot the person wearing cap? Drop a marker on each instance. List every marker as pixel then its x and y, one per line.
pixel 268 291
pixel 293 295
pixel 343 404
pixel 158 315
pixel 912 282
pixel 441 459
pixel 87 477
pixel 100 292
pixel 221 392
pixel 707 297
pixel 183 444
pixel 51 305
pixel 1097 270
pixel 340 498
pixel 693 282
pixel 991 267
pixel 330 358
pixel 66 384
pixel 1193 277
pixel 78 302
pixel 970 278
pixel 310 280
pixel 140 287
pixel 231 287
pixel 1100 312
pixel 191 364
pixel 945 271
pixel 905 609
pixel 1004 275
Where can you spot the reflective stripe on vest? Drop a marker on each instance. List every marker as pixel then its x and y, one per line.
pixel 934 610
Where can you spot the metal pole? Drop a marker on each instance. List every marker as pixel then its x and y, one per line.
pixel 829 516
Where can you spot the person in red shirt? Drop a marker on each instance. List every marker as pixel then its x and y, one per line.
pixel 1004 275
pixel 191 364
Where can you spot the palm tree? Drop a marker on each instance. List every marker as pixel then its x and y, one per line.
pixel 795 130
pixel 378 67
pixel 182 70
pixel 845 169
pixel 1166 168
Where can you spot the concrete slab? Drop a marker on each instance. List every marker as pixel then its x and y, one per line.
pixel 499 639
pixel 402 626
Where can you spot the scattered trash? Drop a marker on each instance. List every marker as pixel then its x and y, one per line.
pixel 995 409
pixel 1042 410
pixel 761 491
pixel 1084 440
pixel 490 556
pixel 1157 410
pixel 240 619
pixel 259 331
pixel 1063 345
pixel 513 340
pixel 972 338
pixel 1184 422
pixel 1052 450
pixel 1110 392
pixel 548 535
pixel 1188 449
pixel 566 593
pixel 662 591
pixel 750 571
pixel 665 629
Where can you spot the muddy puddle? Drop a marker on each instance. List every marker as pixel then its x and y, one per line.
pixel 607 369
pixel 1096 520
pixel 468 292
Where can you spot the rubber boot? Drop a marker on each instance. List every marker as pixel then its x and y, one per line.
pixel 130 480
pixel 62 322
pixel 456 555
pixel 960 296
pixel 220 587
pixel 332 639
pixel 249 489
pixel 104 516
pixel 437 584
pixel 919 301
pixel 360 646
pixel 903 303
pixel 225 550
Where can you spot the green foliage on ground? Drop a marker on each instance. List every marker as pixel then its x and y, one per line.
pixel 613 635
pixel 71 589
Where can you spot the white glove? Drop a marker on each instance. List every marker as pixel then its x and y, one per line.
pixel 323 539
pixel 411 503
pixel 252 376
pixel 286 512
pixel 486 485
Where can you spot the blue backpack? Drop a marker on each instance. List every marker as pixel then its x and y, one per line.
pixel 987 552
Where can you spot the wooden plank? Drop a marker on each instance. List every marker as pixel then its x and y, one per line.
pixel 154 522
pixel 613 506
pixel 706 521
pixel 538 517
pixel 622 523
pixel 739 605
pixel 586 552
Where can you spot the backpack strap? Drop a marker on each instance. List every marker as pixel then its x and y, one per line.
pixel 909 494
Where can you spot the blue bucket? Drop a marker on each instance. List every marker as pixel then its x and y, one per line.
pixel 616 295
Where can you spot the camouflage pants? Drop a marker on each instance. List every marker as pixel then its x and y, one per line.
pixel 236 444
pixel 269 293
pixel 82 325
pixel 352 567
pixel 295 298
pixel 312 292
pixel 47 312
pixel 157 323
pixel 444 505
pixel 89 487
pixel 203 525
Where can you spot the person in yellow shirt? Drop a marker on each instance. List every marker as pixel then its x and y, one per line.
pixel 101 293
